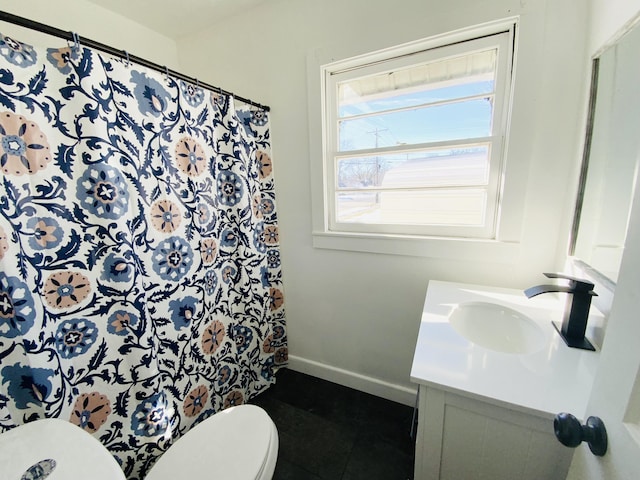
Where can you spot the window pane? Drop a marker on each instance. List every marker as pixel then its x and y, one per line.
pixel 460 166
pixel 467 119
pixel 444 79
pixel 397 100
pixel 434 207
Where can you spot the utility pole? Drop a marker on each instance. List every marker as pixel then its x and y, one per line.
pixel 376 133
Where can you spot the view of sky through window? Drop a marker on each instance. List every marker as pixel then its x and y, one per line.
pixel 403 119
pixel 413 146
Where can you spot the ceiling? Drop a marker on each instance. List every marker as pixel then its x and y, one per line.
pixel 177 18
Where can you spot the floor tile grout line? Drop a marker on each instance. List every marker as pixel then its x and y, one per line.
pixel 346 464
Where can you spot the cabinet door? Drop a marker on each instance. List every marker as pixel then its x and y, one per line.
pixel 467 438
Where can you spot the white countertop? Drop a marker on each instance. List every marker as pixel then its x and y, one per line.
pixel 549 381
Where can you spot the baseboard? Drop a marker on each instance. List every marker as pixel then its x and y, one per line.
pixel 373 386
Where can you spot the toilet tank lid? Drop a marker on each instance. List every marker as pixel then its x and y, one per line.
pixel 233 443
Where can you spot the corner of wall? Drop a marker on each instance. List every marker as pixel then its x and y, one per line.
pixel 373 386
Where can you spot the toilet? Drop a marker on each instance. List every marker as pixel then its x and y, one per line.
pixel 239 443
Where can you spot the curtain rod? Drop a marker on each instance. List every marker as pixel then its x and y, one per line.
pixel 69 36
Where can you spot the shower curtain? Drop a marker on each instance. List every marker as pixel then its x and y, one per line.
pixel 140 279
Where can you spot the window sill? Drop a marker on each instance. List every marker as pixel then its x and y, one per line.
pixel 464 249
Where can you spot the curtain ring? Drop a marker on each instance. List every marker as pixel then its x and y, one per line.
pixel 166 72
pixel 126 56
pixel 197 83
pixel 76 41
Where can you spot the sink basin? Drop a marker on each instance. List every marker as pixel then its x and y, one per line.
pixel 497 327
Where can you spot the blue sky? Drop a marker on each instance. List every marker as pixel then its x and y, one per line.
pixel 471 118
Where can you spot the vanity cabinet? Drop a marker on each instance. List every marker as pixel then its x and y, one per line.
pixel 486 412
pixel 464 438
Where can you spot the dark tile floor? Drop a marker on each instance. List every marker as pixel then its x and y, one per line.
pixel 331 432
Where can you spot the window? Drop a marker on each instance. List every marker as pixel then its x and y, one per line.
pixel 414 141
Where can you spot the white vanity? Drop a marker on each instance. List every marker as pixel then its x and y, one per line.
pixel 484 413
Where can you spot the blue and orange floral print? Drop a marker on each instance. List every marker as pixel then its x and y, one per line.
pixel 140 274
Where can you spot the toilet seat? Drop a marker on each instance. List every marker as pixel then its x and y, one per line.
pixel 239 443
pixel 71 452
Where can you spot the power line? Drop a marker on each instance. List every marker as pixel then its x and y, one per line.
pixel 376 132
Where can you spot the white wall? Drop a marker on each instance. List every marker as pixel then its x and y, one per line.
pixel 353 317
pixel 607 18
pixel 93 22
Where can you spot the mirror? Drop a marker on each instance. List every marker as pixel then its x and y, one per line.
pixel 611 155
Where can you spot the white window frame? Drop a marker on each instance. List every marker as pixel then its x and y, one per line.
pixel 339 72
pixel 503 247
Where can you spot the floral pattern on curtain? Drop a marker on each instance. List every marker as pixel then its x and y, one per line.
pixel 140 279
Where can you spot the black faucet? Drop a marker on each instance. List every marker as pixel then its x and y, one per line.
pixel 576 310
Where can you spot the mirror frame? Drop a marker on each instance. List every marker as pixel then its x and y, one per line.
pixel 584 264
pixel 586 153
